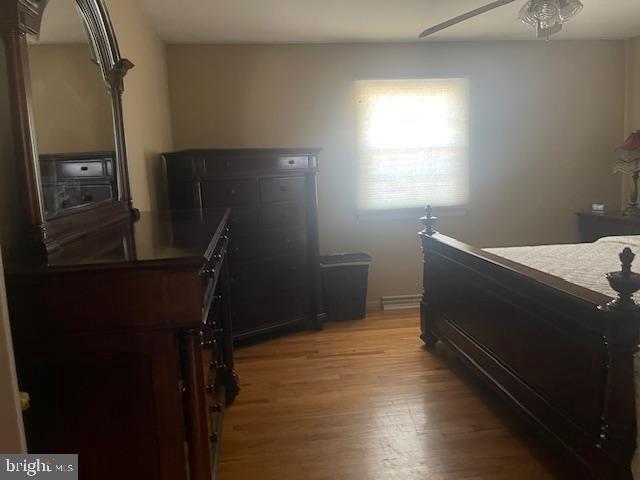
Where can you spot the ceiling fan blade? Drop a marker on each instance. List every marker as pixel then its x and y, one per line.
pixel 465 16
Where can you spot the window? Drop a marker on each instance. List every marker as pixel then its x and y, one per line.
pixel 413 144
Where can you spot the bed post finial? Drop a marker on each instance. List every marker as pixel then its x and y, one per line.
pixel 429 221
pixel 622 320
pixel 626 283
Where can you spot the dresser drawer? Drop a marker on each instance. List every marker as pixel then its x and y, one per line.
pixel 288 215
pixel 94 168
pixel 284 241
pixel 245 279
pixel 245 247
pixel 286 304
pixel 260 278
pixel 280 308
pixel 293 162
pixel 243 219
pixel 217 164
pixel 245 316
pixel 63 196
pixel 235 164
pixel 96 193
pixel 230 192
pixel 282 189
pixel 285 273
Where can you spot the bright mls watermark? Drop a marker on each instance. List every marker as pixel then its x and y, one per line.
pixel 39 466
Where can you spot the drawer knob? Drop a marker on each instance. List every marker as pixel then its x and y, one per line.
pixel 84 168
pixel 209 271
pixel 211 323
pixel 292 162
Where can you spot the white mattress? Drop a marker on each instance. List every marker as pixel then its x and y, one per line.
pixel 584 264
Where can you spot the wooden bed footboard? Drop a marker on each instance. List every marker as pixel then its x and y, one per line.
pixel 562 355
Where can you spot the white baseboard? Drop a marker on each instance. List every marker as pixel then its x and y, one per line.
pixel 401 302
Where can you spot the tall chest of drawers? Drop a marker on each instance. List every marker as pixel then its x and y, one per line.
pixel 274 265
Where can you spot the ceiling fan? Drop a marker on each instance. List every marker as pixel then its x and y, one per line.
pixel 547 16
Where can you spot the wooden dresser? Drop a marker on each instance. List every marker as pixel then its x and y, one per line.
pixel 597 225
pixel 123 342
pixel 274 264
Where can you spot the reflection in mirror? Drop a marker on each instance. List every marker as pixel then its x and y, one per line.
pixel 72 113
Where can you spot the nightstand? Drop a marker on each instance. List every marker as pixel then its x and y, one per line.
pixel 597 225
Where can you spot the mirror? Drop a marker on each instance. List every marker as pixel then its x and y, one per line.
pixel 72 113
pixel 66 79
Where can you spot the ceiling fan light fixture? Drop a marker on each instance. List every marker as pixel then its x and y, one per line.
pixel 569 9
pixel 546 32
pixel 547 16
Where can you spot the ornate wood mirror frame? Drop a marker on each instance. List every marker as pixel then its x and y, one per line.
pixel 18 19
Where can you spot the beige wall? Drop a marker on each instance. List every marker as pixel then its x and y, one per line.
pixel 146 102
pixel 71 104
pixel 632 120
pixel 544 118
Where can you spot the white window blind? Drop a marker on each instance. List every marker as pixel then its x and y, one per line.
pixel 413 143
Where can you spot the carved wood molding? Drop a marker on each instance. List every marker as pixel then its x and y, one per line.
pixel 22 16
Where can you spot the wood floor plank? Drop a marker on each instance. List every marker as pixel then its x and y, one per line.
pixel 364 400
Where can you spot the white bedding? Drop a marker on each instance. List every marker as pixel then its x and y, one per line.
pixel 584 264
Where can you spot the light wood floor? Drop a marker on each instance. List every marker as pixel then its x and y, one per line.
pixel 364 400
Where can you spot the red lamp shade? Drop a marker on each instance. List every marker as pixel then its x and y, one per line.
pixel 629 151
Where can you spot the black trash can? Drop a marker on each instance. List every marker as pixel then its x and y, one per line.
pixel 344 285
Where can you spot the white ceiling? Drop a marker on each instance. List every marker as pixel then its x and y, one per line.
pixel 311 21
